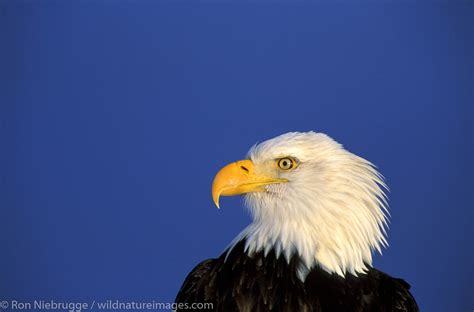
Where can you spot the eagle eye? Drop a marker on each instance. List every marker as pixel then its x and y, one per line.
pixel 286 163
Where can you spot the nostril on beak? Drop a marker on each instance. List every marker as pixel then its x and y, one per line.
pixel 244 169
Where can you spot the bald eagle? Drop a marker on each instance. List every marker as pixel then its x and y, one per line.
pixel 318 213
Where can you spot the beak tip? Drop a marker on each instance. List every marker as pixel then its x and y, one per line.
pixel 216 193
pixel 216 201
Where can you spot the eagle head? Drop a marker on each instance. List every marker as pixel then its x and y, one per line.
pixel 311 198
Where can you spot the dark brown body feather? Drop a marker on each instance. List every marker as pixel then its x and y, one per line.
pixel 264 283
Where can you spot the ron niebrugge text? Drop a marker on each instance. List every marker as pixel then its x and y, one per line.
pixel 47 305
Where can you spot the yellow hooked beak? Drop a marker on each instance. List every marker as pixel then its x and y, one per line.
pixel 239 178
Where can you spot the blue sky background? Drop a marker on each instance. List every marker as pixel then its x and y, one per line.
pixel 115 116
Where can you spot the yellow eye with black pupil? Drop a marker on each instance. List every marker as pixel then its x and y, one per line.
pixel 286 163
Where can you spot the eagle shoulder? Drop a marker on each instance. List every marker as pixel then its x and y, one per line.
pixel 395 292
pixel 403 300
pixel 198 285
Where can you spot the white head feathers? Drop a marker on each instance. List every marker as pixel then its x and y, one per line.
pixel 331 213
